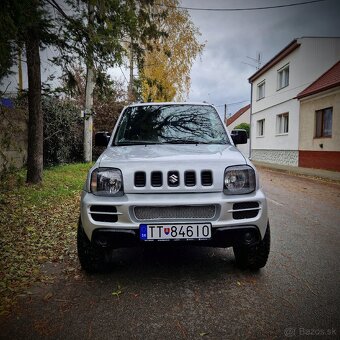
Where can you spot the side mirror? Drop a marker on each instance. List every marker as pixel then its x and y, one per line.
pixel 239 136
pixel 101 138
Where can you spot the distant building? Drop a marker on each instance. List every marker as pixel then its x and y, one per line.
pixel 275 122
pixel 319 142
pixel 241 116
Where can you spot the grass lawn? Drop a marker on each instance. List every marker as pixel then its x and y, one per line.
pixel 37 225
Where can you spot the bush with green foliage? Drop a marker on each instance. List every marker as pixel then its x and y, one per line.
pixel 244 126
pixel 63 132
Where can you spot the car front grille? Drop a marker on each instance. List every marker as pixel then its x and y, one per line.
pixel 206 178
pixel 180 212
pixel 140 179
pixel 156 179
pixel 189 178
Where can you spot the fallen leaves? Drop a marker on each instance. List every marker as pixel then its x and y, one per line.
pixel 204 334
pixel 117 292
pixel 37 225
pixel 48 296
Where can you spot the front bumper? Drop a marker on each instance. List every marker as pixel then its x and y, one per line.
pixel 228 227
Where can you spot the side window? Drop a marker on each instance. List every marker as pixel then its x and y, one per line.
pixel 282 123
pixel 260 128
pixel 261 90
pixel 283 77
pixel 323 123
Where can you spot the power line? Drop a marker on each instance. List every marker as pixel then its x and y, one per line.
pixel 229 104
pixel 243 9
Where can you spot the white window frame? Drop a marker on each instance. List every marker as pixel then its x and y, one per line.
pixel 261 90
pixel 260 128
pixel 283 77
pixel 282 124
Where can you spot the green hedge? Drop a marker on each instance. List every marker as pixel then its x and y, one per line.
pixel 63 132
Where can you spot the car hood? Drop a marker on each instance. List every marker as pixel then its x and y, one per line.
pixel 171 157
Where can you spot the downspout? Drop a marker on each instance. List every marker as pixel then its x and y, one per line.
pixel 251 113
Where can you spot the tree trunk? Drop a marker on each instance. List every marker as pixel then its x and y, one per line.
pixel 35 121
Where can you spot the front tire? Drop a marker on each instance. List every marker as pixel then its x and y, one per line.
pixel 91 257
pixel 253 256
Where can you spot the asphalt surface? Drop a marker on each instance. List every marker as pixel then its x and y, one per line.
pixel 199 293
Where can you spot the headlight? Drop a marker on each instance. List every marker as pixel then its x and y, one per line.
pixel 107 182
pixel 239 180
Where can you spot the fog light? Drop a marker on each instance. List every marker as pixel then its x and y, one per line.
pixel 248 238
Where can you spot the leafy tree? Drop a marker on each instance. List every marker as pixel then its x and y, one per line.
pixel 27 23
pixel 244 126
pixel 108 99
pixel 8 32
pixel 96 33
pixel 89 31
pixel 165 69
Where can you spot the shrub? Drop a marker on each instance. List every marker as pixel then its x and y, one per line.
pixel 63 132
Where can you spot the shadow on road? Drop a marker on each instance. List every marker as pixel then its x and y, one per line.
pixel 172 263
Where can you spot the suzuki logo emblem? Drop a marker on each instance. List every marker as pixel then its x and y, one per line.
pixel 173 179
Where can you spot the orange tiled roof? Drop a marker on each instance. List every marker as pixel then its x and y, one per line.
pixel 239 113
pixel 328 80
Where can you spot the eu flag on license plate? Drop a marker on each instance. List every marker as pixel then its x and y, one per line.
pixel 143 230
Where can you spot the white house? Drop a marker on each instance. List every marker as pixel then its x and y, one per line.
pixel 241 116
pixel 275 86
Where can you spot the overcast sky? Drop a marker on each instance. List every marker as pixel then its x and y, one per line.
pixel 221 76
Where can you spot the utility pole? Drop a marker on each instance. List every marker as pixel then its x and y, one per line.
pixel 225 112
pixel 131 96
pixel 88 116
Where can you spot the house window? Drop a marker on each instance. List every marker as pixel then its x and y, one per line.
pixel 323 123
pixel 283 77
pixel 260 128
pixel 282 123
pixel 260 90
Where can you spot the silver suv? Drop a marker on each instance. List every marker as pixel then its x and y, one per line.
pixel 171 172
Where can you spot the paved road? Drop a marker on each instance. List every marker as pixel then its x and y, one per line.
pixel 198 293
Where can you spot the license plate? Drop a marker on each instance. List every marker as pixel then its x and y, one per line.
pixel 199 231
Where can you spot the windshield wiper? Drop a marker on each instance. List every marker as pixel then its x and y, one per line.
pixel 184 141
pixel 136 142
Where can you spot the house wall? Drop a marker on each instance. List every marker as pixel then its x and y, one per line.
pixel 244 118
pixel 310 60
pixel 271 140
pixel 322 153
pixel 274 147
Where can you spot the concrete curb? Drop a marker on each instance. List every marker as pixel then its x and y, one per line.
pixel 316 173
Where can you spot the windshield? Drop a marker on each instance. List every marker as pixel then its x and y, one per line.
pixel 177 124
